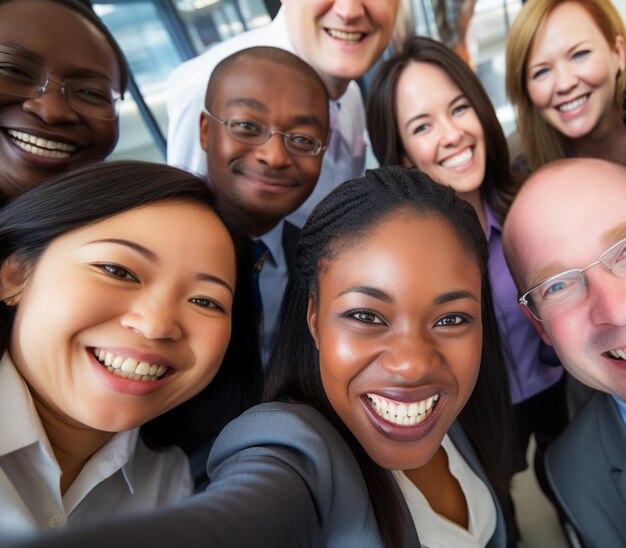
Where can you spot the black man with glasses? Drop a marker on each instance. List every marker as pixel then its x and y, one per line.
pixel 565 243
pixel 264 130
pixel 61 80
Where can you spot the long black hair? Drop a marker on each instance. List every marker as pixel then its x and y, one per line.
pixel 30 222
pixel 345 216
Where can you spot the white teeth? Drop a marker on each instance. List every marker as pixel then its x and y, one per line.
pixel 400 413
pixel 347 36
pixel 619 354
pixel 459 159
pixel 40 146
pixel 128 367
pixel 573 104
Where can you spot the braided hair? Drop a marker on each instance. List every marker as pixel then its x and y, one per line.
pixel 343 218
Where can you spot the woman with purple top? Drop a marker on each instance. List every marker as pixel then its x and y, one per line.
pixel 427 109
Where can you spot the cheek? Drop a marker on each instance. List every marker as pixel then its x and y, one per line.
pixel 104 138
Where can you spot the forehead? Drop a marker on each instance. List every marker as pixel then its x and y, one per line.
pixel 555 30
pixel 567 222
pixel 405 253
pixel 425 84
pixel 275 86
pixel 57 37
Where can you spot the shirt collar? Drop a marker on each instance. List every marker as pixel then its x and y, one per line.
pixel 21 426
pixel 19 422
pixel 493 224
pixel 621 406
pixel 274 242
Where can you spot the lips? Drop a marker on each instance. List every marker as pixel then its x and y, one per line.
pixel 352 37
pixel 617 354
pixel 403 413
pixel 460 159
pixel 130 368
pixel 39 146
pixel 572 105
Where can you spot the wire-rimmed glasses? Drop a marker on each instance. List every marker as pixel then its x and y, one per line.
pixel 94 97
pixel 256 133
pixel 566 290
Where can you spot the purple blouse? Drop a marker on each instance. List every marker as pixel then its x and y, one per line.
pixel 532 365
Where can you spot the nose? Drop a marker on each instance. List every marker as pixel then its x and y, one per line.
pixel 349 10
pixel 566 79
pixel 273 152
pixel 154 319
pixel 410 356
pixel 607 297
pixel 51 106
pixel 451 133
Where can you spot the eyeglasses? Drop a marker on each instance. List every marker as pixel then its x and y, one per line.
pixel 255 133
pixel 91 96
pixel 566 290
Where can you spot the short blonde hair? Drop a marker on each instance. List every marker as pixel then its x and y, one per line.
pixel 540 141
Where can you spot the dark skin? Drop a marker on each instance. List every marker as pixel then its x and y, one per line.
pixel 261 184
pixel 65 45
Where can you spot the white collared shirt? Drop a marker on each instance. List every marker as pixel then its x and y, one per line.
pixel 123 477
pixel 345 157
pixel 434 530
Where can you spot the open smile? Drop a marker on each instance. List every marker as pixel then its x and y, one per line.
pixel 458 160
pixel 617 354
pixel 350 37
pixel 130 368
pixel 46 148
pixel 572 105
pixel 403 413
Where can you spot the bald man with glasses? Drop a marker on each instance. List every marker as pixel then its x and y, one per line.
pixel 565 243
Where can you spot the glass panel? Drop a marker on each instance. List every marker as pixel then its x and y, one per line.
pixel 152 56
pixel 211 21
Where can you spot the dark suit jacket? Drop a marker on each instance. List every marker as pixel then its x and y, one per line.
pixel 585 466
pixel 291 235
pixel 282 477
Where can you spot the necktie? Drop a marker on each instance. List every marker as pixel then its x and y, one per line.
pixel 260 255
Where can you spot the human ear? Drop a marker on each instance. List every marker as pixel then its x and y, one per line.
pixel 311 319
pixel 204 131
pixel 537 325
pixel 13 275
pixel 618 49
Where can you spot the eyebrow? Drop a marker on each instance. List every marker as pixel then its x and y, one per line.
pixel 151 256
pixel 455 296
pixel 22 51
pixel 303 119
pixel 610 237
pixel 385 297
pixel 418 116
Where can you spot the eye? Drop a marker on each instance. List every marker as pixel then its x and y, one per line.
pixel 364 316
pixel 302 142
pixel 581 54
pixel 460 109
pixel 420 129
pixel 94 95
pixel 451 320
pixel 539 73
pixel 554 289
pixel 204 302
pixel 246 127
pixel 117 271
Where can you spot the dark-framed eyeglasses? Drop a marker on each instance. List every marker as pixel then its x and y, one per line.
pixel 94 97
pixel 566 290
pixel 256 133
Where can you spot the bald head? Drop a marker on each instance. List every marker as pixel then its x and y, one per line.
pixel 558 204
pixel 565 217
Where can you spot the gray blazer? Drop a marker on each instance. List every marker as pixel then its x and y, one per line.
pixel 585 466
pixel 281 476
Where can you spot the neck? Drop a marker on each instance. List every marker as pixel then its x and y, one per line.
pixel 336 86
pixel 73 443
pixel 607 141
pixel 475 200
pixel 441 489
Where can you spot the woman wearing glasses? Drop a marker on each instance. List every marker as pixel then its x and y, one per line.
pixel 61 78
